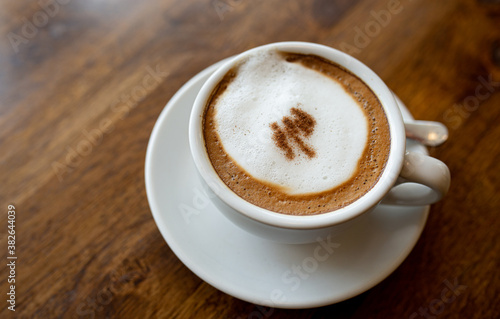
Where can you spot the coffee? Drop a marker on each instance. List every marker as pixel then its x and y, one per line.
pixel 295 134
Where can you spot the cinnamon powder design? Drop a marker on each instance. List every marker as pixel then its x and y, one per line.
pixel 290 135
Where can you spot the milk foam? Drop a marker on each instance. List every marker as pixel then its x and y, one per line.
pixel 263 92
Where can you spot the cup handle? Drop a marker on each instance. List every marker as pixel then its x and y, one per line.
pixel 423 180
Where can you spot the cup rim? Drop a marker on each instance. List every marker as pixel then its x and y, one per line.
pixel 358 207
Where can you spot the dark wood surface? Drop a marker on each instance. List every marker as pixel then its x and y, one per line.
pixel 86 242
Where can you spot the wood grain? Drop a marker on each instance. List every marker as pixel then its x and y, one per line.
pixel 80 92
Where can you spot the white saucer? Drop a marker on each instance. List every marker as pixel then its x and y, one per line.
pixel 253 269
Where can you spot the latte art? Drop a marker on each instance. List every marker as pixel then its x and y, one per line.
pixel 294 128
pixel 295 134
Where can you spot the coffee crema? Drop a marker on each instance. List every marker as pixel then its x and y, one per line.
pixel 295 134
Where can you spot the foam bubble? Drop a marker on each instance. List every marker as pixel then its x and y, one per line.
pixel 266 89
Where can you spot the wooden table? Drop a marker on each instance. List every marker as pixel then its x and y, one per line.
pixel 82 84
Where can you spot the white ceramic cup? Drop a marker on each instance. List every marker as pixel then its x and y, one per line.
pixel 401 167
